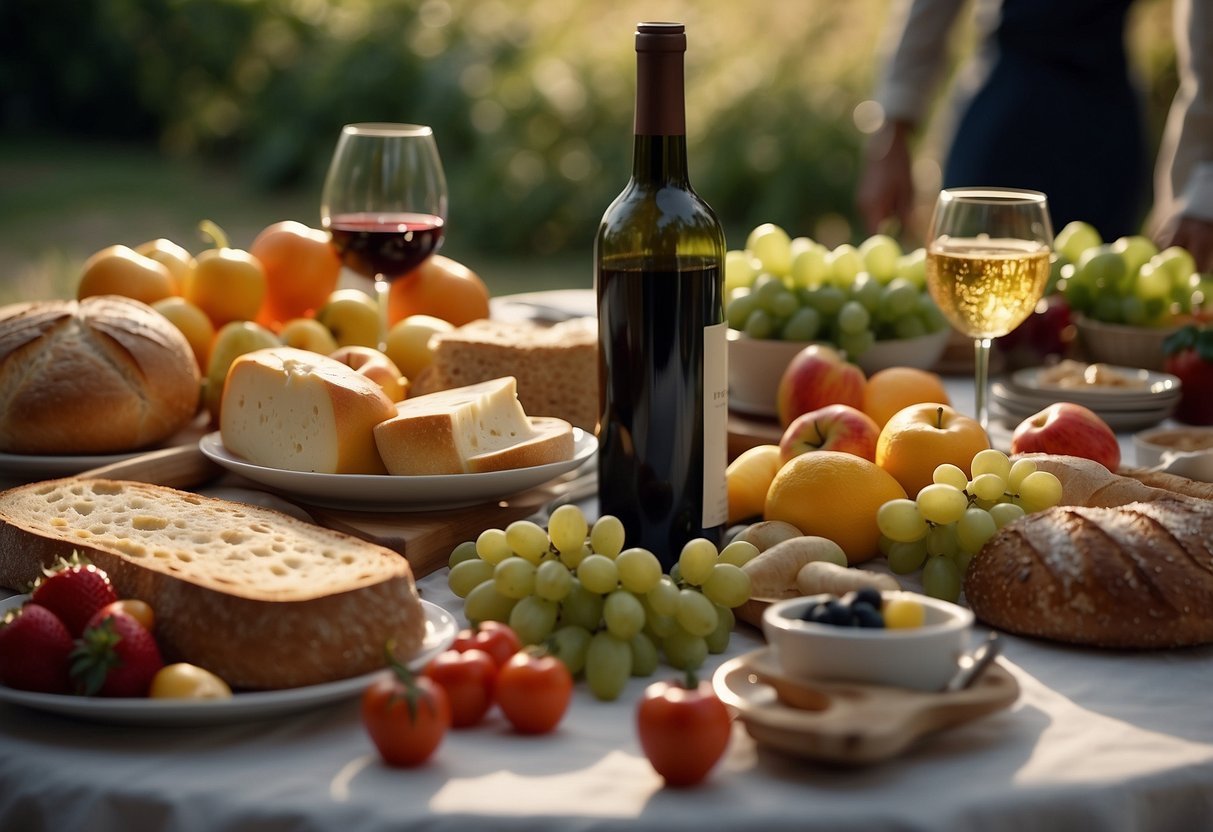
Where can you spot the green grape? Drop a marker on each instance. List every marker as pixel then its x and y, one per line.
pixel 740 269
pixel 913 267
pixel 1039 490
pixel 855 344
pixel 727 586
pixel 905 558
pixel 696 560
pixel 527 539
pixel 644 655
pixel 809 266
pixel 607 535
pixel 845 264
pixel 899 299
pixel 608 665
pixel 880 254
pixel 467 575
pixel 570 644
pixel 573 557
pixel 464 551
pixel 910 326
pixel 884 544
pixel 581 607
pixel 738 553
pixel 623 614
pixel 941 504
pixel 853 318
pixel 759 324
pixel 803 325
pixel 684 651
pixel 901 521
pixel 533 619
pixel 990 461
pixel 485 603
pixel 772 247
pixel 639 570
pixel 783 305
pixel 974 529
pixel 553 580
pixel 515 577
pixel 568 528
pixel 695 613
pixel 1020 468
pixel 663 598
pixel 988 486
pixel 741 304
pixel 718 640
pixel 941 578
pixel 659 626
pixel 949 474
pixel 941 540
pixel 962 561
pixel 867 291
pixel 1004 513
pixel 492 546
pixel 598 573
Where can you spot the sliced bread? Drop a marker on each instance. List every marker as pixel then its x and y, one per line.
pixel 260 598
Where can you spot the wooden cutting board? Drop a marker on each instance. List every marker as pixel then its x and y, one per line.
pixel 424 538
pixel 747 431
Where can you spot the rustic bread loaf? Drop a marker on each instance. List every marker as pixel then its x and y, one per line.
pixel 260 598
pixel 1133 576
pixel 103 375
pixel 301 411
pixel 556 366
pixel 473 429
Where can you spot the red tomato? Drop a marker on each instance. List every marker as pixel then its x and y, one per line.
pixel 493 637
pixel 683 729
pixel 405 716
pixel 468 678
pixel 533 690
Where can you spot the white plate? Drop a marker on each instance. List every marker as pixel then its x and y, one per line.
pixel 371 492
pixel 1021 399
pixel 1152 384
pixel 43 467
pixel 440 631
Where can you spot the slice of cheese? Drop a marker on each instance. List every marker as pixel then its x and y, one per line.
pixel 302 411
pixel 462 429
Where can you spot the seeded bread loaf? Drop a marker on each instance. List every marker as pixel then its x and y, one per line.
pixel 260 598
pixel 103 375
pixel 556 366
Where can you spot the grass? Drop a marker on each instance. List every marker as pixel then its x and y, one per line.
pixel 64 199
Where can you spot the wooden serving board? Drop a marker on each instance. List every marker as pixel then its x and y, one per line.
pixel 746 431
pixel 424 538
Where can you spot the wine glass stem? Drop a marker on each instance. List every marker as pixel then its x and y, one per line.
pixel 382 292
pixel 981 378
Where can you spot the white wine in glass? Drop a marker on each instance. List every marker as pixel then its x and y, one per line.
pixel 987 266
pixel 385 203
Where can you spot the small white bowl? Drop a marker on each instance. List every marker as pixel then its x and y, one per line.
pixel 921 658
pixel 1187 451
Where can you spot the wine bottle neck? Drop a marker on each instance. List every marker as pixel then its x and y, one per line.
pixel 659 153
pixel 660 160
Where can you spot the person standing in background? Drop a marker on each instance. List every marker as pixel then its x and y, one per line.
pixel 1047 102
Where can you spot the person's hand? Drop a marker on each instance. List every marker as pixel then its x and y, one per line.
pixel 886 185
pixel 1194 234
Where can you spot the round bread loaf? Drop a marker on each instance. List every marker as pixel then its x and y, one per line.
pixel 103 375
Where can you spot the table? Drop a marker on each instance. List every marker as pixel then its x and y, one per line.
pixel 1099 740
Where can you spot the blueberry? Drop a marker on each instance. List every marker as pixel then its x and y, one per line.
pixel 868 595
pixel 866 615
pixel 810 611
pixel 838 613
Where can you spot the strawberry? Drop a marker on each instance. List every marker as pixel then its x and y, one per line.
pixel 74 592
pixel 34 649
pixel 115 657
pixel 1189 356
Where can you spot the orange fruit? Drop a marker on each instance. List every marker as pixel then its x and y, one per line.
pixel 919 438
pixel 440 287
pixel 120 270
pixel 748 477
pixel 833 495
pixel 301 271
pixel 891 389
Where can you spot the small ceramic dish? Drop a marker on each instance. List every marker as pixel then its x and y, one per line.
pixel 922 658
pixel 1187 451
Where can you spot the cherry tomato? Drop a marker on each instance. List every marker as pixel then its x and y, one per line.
pixel 684 729
pixel 406 716
pixel 141 611
pixel 533 690
pixel 493 637
pixel 468 678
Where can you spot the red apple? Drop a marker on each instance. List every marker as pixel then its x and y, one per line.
pixel 835 427
pixel 1069 429
pixel 815 377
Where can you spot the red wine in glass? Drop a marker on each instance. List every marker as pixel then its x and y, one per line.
pixel 385 246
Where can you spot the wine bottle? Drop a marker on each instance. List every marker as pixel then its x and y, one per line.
pixel 662 347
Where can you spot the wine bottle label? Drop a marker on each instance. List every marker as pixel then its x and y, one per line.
pixel 715 424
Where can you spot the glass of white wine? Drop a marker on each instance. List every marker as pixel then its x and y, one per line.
pixel 987 266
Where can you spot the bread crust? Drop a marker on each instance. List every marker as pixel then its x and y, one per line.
pixel 1138 575
pixel 107 374
pixel 339 600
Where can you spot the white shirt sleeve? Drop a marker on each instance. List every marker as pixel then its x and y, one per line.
pixel 915 45
pixel 1184 174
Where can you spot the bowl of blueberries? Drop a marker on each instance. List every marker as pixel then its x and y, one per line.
pixel 896 639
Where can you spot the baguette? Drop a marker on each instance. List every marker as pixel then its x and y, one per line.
pixel 1133 576
pixel 259 598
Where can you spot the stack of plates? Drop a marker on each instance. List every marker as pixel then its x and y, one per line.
pixel 1150 398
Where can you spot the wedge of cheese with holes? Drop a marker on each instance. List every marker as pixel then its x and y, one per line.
pixel 474 429
pixel 302 411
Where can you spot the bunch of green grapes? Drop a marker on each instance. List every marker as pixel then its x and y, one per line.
pixel 950 520
pixel 608 612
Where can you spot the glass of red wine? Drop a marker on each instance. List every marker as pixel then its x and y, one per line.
pixel 384 203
